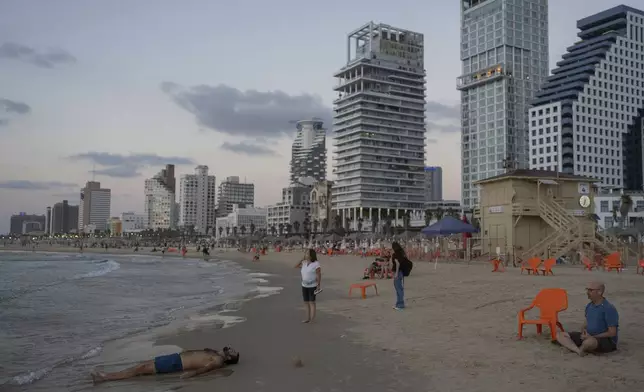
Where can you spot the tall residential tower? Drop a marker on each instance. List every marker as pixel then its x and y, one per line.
pixel 587 119
pixel 379 125
pixel 197 200
pixel 94 208
pixel 308 154
pixel 160 195
pixel 231 192
pixel 504 54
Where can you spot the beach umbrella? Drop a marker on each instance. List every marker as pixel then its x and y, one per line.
pixel 448 226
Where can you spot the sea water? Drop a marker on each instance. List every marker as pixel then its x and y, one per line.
pixel 58 311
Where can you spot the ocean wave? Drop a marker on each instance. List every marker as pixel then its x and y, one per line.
pixel 30 377
pixel 107 266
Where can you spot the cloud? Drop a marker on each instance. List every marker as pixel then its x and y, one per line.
pixel 9 106
pixel 127 166
pixel 35 185
pixel 439 110
pixel 45 59
pixel 247 148
pixel 3 122
pixel 447 128
pixel 249 113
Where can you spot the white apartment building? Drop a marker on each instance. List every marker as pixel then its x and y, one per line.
pixel 320 202
pixel 379 124
pixel 504 54
pixel 230 192
pixel 606 202
pixel 197 200
pixel 134 222
pixel 94 207
pixel 160 206
pixel 294 207
pixel 241 217
pixel 587 119
pixel 308 153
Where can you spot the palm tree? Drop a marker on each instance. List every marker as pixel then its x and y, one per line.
pixel 288 228
pixel 388 226
pixel 235 231
pixel 406 220
pixel 221 230
pixel 428 217
pixel 227 231
pixel 325 225
pixel 626 203
pixel 337 222
pixel 316 225
pixel 273 230
pixel 281 228
pixel 439 213
pixel 347 223
pixel 614 215
pixel 243 230
pixel 252 228
pixel 296 227
pixel 374 222
pixel 360 220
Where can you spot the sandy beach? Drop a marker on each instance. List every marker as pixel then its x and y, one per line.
pixel 458 333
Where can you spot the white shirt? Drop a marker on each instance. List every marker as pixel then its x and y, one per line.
pixel 309 277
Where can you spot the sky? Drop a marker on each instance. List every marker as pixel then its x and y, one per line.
pixel 115 89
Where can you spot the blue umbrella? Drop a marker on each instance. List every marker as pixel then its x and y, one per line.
pixel 448 225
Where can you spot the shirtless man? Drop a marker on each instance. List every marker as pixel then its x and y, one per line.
pixel 190 362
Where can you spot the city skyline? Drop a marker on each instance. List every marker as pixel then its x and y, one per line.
pixel 134 96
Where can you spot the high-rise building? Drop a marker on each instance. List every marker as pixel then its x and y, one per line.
pixel 94 208
pixel 504 54
pixel 22 221
pixel 308 154
pixel 231 192
pixel 433 183
pixel 587 119
pixel 48 221
pixel 379 125
pixel 133 222
pixel 197 200
pixel 64 218
pixel 160 195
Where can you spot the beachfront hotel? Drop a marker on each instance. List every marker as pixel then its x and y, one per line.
pixel 379 126
pixel 94 208
pixel 433 183
pixel 160 205
pixel 587 118
pixel 504 54
pixel 232 192
pixel 197 200
pixel 308 153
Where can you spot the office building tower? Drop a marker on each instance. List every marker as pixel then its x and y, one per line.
pixel 48 221
pixel 197 200
pixel 94 208
pixel 504 54
pixel 24 223
pixel 308 154
pixel 64 218
pixel 379 125
pixel 231 192
pixel 160 204
pixel 433 183
pixel 587 118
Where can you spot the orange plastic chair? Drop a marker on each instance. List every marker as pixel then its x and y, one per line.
pixel 363 288
pixel 498 265
pixel 588 265
pixel 550 302
pixel 640 264
pixel 532 266
pixel 613 262
pixel 547 266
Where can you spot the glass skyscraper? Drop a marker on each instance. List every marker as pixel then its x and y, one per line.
pixel 504 54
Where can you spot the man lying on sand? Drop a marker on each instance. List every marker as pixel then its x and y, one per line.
pixel 191 362
pixel 599 332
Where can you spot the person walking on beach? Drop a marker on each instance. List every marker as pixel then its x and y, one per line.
pixel 401 267
pixel 311 278
pixel 191 362
pixel 599 333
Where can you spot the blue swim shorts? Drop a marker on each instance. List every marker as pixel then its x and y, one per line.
pixel 168 364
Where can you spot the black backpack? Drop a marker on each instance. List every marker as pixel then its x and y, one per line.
pixel 405 266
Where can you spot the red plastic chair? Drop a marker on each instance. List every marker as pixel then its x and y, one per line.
pixel 549 302
pixel 640 265
pixel 547 267
pixel 532 266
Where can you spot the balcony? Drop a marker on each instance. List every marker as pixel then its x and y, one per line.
pixel 481 77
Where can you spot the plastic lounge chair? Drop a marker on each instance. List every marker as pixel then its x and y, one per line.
pixel 498 265
pixel 532 266
pixel 640 265
pixel 547 267
pixel 550 302
pixel 588 265
pixel 613 262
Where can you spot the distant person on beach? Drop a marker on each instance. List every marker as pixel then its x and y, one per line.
pixel 311 279
pixel 401 267
pixel 191 362
pixel 599 334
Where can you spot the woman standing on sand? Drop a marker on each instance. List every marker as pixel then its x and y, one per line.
pixel 311 278
pixel 397 257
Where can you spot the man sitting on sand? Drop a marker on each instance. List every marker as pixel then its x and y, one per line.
pixel 599 333
pixel 191 362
